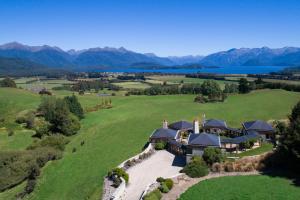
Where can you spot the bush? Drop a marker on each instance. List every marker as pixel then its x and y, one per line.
pixel 154 195
pixel 27 117
pixel 169 183
pixel 119 172
pixel 164 188
pixel 212 155
pixel 55 141
pixel 74 150
pixel 160 146
pixel 196 168
pixel 41 128
pixel 160 179
pixel 10 132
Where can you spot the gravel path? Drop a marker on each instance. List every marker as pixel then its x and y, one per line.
pixel 183 182
pixel 161 163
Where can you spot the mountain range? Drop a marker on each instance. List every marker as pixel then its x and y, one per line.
pixel 107 57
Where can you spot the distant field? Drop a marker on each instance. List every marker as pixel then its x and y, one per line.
pixel 179 78
pixel 115 134
pixel 133 85
pixel 48 84
pixel 243 187
pixel 265 79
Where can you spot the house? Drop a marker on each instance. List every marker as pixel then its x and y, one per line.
pixel 231 144
pixel 181 126
pixel 198 142
pixel 184 138
pixel 214 126
pixel 163 134
pixel 261 127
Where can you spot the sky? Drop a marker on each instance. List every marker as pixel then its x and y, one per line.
pixel 163 27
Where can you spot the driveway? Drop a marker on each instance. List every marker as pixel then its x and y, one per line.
pixel 160 164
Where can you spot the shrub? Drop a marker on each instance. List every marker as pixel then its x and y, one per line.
pixel 229 167
pixel 154 195
pixel 119 172
pixel 196 168
pixel 164 188
pixel 169 183
pixel 160 179
pixel 10 132
pixel 41 128
pixel 55 141
pixel 74 150
pixel 27 117
pixel 212 155
pixel 160 146
pixel 82 143
pixel 216 167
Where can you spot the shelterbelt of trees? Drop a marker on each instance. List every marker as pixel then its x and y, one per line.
pixel 54 120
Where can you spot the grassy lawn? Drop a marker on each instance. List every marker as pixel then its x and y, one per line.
pixel 13 101
pixel 18 141
pixel 243 187
pixel 115 134
pixel 265 147
pixel 132 85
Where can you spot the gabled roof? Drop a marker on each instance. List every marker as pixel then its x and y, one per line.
pixel 258 125
pixel 215 123
pixel 181 125
pixel 204 139
pixel 237 140
pixel 164 133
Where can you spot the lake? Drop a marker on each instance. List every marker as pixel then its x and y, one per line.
pixel 220 70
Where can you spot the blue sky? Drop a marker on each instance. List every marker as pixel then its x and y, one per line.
pixel 165 27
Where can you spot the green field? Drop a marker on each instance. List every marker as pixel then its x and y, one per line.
pixel 132 85
pixel 176 79
pixel 257 151
pixel 115 134
pixel 243 187
pixel 18 141
pixel 48 84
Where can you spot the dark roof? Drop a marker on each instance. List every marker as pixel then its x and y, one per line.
pixel 164 133
pixel 258 125
pixel 181 125
pixel 237 140
pixel 175 143
pixel 234 130
pixel 215 123
pixel 204 139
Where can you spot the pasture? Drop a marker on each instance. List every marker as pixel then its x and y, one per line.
pixel 132 85
pixel 243 187
pixel 177 79
pixel 113 135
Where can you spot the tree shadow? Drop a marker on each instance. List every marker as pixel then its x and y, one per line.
pixel 284 173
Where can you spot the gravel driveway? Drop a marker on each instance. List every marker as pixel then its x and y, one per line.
pixel 161 163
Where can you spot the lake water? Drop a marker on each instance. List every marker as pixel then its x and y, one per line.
pixel 220 70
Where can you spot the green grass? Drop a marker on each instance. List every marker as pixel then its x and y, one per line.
pixel 132 85
pixel 176 79
pixel 13 101
pixel 243 187
pixel 265 147
pixel 18 141
pixel 113 135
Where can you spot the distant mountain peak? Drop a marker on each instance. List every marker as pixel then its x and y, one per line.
pixel 20 46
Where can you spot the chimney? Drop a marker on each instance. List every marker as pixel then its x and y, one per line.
pixel 196 126
pixel 165 124
pixel 203 120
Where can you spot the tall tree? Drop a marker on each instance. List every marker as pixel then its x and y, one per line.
pixel 74 106
pixel 290 140
pixel 8 82
pixel 244 86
